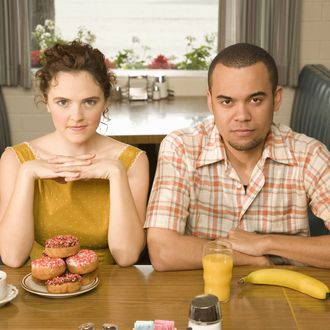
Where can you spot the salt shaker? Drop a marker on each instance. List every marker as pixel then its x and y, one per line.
pixel 87 326
pixel 205 313
pixel 161 82
pixel 117 94
pixel 156 93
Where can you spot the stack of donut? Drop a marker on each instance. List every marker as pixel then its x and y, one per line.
pixel 64 268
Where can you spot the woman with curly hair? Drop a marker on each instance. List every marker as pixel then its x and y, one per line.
pixel 73 180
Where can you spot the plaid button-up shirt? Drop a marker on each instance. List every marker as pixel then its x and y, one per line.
pixel 197 191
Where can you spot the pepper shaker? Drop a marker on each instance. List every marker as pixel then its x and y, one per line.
pixel 109 326
pixel 205 313
pixel 161 82
pixel 117 94
pixel 156 93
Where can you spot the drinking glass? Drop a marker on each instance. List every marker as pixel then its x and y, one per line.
pixel 217 269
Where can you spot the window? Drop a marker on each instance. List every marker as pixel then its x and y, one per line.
pixel 149 27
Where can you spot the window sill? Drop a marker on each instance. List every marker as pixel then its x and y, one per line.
pixel 182 82
pixel 158 72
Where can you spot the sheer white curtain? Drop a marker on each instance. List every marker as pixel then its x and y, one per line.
pixel 270 24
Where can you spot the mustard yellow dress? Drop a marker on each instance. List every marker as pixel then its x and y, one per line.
pixel 79 208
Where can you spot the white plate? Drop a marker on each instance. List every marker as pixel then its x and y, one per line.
pixel 29 285
pixel 12 292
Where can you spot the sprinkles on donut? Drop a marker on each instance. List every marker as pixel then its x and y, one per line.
pixel 65 283
pixel 62 246
pixel 63 267
pixel 85 261
pixel 46 268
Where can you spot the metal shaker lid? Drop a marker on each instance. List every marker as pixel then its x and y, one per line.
pixel 109 326
pixel 87 326
pixel 160 79
pixel 205 308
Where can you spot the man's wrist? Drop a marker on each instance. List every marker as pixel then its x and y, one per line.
pixel 267 244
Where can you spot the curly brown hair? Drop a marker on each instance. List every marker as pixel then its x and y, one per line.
pixel 74 56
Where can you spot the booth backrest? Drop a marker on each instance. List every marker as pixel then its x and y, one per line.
pixel 311 116
pixel 311 106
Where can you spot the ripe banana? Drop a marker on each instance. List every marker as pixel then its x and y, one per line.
pixel 290 279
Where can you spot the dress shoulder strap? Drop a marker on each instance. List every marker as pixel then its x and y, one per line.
pixel 129 156
pixel 23 152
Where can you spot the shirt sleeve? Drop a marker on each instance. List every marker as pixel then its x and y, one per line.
pixel 317 182
pixel 169 199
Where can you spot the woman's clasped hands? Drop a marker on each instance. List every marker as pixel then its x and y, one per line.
pixel 72 168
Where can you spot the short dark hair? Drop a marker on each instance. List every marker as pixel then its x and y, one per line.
pixel 242 55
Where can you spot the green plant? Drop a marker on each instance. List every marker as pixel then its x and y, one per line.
pixel 85 36
pixel 198 58
pixel 48 35
pixel 135 57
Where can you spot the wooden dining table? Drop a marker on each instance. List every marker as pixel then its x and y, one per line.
pixel 125 295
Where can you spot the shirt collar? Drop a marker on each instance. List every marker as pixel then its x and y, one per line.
pixel 276 147
pixel 213 148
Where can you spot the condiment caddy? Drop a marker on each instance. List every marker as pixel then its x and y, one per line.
pixel 142 88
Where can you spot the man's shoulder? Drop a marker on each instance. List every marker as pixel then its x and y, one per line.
pixel 297 142
pixel 197 133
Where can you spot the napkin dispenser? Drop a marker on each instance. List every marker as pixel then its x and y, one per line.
pixel 137 88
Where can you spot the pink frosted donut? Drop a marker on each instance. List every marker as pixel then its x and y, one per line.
pixel 65 283
pixel 46 268
pixel 62 246
pixel 85 261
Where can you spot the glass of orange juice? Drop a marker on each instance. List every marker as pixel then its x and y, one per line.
pixel 217 269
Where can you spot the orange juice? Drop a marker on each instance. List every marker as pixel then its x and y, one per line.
pixel 217 275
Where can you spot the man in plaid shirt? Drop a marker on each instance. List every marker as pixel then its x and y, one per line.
pixel 238 177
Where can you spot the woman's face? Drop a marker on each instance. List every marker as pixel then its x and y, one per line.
pixel 76 103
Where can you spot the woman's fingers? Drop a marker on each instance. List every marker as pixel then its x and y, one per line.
pixel 84 167
pixel 72 164
pixel 80 159
pixel 65 175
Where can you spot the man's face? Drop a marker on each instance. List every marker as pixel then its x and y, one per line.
pixel 243 104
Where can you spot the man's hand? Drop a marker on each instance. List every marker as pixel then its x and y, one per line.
pixel 245 259
pixel 248 243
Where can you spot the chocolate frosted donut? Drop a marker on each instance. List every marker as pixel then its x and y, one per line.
pixel 65 283
pixel 62 246
pixel 46 268
pixel 85 261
